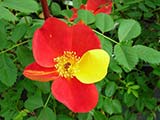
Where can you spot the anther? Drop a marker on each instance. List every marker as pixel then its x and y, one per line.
pixel 67 64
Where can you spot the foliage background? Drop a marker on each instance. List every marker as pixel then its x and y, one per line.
pixel 131 35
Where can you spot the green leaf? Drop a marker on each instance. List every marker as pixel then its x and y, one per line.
pixel 21 115
pixel 143 7
pixel 18 32
pixel 77 3
pixel 86 16
pixel 151 117
pixel 8 70
pixel 84 116
pixel 128 30
pixel 3 35
pixel 150 3
pixel 107 106
pixel 43 86
pixel 135 87
pixel 26 6
pixel 140 104
pixel 147 54
pixel 24 55
pixel 110 89
pixel 99 116
pixel 117 108
pixel 150 103
pixel 100 102
pixel 135 93
pixel 129 115
pixel 47 114
pixel 31 30
pixel 106 44
pixel 116 117
pixel 32 118
pixel 112 106
pixel 125 56
pixel 34 101
pixel 7 15
pixel 129 99
pixel 114 66
pixel 55 8
pixel 3 87
pixel 104 22
pixel 63 117
pixel 66 13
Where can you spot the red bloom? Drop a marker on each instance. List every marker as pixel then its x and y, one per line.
pixel 95 6
pixel 68 55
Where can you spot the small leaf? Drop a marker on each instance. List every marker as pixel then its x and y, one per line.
pixel 128 30
pixel 112 106
pixel 135 87
pixel 21 115
pixel 140 104
pixel 107 106
pixel 43 86
pixel 150 3
pixel 55 8
pixel 77 3
pixel 126 56
pixel 106 44
pixel 34 101
pixel 117 108
pixel 129 99
pixel 7 15
pixel 47 114
pixel 3 35
pixel 110 89
pixel 104 22
pixel 150 103
pixel 63 117
pixel 8 70
pixel 24 55
pixel 116 117
pixel 84 116
pixel 18 32
pixel 100 102
pixel 67 13
pixel 86 16
pixel 26 6
pixel 99 116
pixel 31 30
pixel 135 93
pixel 147 54
pixel 114 66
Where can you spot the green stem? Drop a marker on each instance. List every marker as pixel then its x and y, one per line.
pixel 14 46
pixel 105 36
pixel 45 105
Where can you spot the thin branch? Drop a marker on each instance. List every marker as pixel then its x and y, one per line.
pixel 14 46
pixel 105 36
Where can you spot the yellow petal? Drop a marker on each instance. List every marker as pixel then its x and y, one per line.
pixel 93 66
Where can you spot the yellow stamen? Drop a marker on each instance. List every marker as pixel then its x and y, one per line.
pixel 67 64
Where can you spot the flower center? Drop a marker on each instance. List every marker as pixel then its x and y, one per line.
pixel 67 64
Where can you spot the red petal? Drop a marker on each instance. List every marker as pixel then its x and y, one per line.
pixel 50 41
pixel 105 9
pixel 78 97
pixel 38 73
pixel 74 16
pixel 93 5
pixel 83 39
